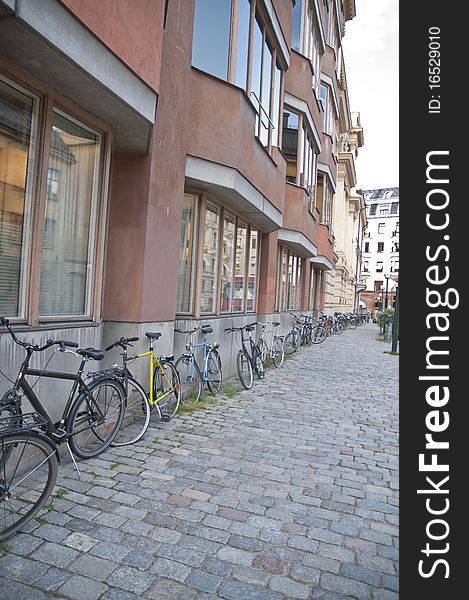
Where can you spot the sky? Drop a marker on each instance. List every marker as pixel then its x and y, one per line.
pixel 371 54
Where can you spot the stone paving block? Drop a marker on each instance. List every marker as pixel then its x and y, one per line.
pixel 289 588
pixel 130 579
pixel 167 589
pixel 23 544
pixel 346 586
pixel 235 590
pixel 21 569
pixel 11 589
pixel 170 569
pixel 51 533
pixel 82 588
pixel 52 580
pixel 203 581
pixel 54 554
pixel 92 567
pixel 80 541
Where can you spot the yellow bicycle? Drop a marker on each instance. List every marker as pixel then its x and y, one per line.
pixel 164 394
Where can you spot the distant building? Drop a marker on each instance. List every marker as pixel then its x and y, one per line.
pixel 380 252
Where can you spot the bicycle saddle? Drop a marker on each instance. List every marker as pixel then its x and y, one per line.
pixel 91 353
pixel 249 328
pixel 153 336
pixel 206 329
pixel 275 323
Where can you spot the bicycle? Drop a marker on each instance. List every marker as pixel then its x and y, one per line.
pixel 92 413
pixel 164 394
pixel 293 337
pixel 248 360
pixel 28 470
pixel 276 352
pixel 192 376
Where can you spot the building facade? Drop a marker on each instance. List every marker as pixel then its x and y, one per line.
pixel 380 252
pixel 165 164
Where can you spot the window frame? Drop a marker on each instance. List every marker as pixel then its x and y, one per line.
pixel 48 101
pixel 283 297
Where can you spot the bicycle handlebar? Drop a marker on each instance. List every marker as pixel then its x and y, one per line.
pixel 123 343
pixel 62 343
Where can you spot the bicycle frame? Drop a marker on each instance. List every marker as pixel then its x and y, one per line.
pixel 252 355
pixel 191 346
pixel 153 363
pixel 56 430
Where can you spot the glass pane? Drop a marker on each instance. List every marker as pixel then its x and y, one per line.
pixel 296 26
pixel 240 268
pixel 252 271
pixel 265 95
pixel 290 143
pixel 256 69
pixel 211 39
pixel 67 260
pixel 243 43
pixel 17 144
pixel 229 232
pixel 210 260
pixel 283 279
pixel 276 105
pixel 186 255
pixel 323 100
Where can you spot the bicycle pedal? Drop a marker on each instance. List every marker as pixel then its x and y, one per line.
pixel 165 419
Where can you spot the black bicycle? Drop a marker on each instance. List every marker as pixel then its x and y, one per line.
pixel 249 359
pixel 93 412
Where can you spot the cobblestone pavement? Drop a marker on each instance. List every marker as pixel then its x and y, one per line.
pixel 289 490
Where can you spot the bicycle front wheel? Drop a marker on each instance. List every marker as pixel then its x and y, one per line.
pixel 136 415
pixel 167 389
pixel 28 471
pixel 318 334
pixel 278 350
pixel 190 378
pixel 292 342
pixel 244 370
pixel 263 349
pixel 94 420
pixel 214 373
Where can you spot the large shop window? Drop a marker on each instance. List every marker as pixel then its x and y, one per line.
pixel 300 151
pixel 289 280
pixel 64 221
pixel 224 30
pixel 229 261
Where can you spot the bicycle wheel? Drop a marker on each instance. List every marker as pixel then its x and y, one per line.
pixel 318 334
pixel 94 422
pixel 244 370
pixel 339 328
pixel 258 363
pixel 167 389
pixel 292 342
pixel 214 372
pixel 28 471
pixel 190 378
pixel 263 349
pixel 352 324
pixel 136 419
pixel 278 349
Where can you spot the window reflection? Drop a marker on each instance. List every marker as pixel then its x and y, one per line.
pixel 210 259
pixel 226 276
pixel 211 37
pixel 187 254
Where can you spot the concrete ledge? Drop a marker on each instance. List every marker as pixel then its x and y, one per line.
pixel 321 262
pixel 298 242
pixel 230 186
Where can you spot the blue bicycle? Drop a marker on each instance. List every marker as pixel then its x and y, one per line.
pixel 191 375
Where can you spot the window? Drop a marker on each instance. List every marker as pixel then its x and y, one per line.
pixel 229 260
pixel 367 246
pixel 378 285
pixel 300 151
pixel 70 213
pixel 380 246
pixel 216 22
pixel 395 266
pixel 372 210
pixel 187 249
pixel 394 208
pixel 397 228
pixel 324 198
pixel 240 267
pixel 395 246
pixel 328 110
pixel 211 37
pixel 381 227
pixel 18 144
pixel 379 266
pixel 384 210
pixel 332 36
pixel 296 26
pixel 366 267
pixel 66 256
pixel 289 280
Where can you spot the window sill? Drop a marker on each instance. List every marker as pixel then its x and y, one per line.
pixel 21 326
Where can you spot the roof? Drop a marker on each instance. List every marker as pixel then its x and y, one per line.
pixel 380 194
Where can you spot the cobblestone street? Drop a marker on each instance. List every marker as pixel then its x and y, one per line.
pixel 289 490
